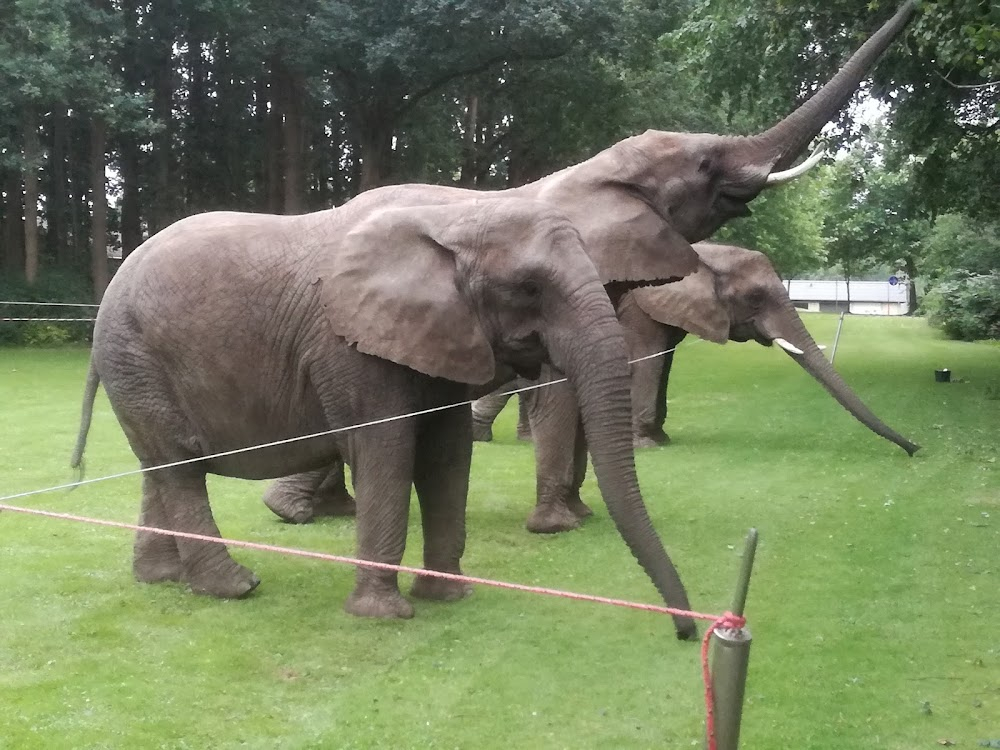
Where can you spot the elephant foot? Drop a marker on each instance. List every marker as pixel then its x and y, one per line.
pixel 524 434
pixel 440 589
pixel 233 582
pixel 291 507
pixel 384 604
pixel 552 518
pixel 655 440
pixel 150 570
pixel 339 505
pixel 686 629
pixel 482 432
pixel 155 558
pixel 579 508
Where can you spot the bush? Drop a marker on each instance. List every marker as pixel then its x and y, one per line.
pixel 966 306
pixel 52 286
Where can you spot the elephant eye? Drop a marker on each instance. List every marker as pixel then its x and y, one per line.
pixel 531 288
pixel 756 298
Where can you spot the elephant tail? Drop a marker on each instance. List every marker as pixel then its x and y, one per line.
pixel 89 394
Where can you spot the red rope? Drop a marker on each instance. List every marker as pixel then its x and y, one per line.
pixel 728 620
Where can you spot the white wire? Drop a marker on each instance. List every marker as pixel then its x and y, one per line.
pixel 47 320
pixel 51 304
pixel 285 441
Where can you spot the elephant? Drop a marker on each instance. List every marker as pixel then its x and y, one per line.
pixel 641 203
pixel 735 295
pixel 229 330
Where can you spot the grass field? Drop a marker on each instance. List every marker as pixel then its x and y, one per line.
pixel 873 606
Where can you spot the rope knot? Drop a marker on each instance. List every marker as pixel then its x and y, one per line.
pixel 729 620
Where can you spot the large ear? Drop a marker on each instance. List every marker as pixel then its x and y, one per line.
pixel 390 287
pixel 691 304
pixel 631 242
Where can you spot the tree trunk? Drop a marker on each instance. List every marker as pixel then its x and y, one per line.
pixel 31 149
pixel 470 128
pixel 131 204
pixel 99 202
pixel 55 206
pixel 162 206
pixel 375 142
pixel 13 224
pixel 274 144
pixel 292 141
pixel 911 286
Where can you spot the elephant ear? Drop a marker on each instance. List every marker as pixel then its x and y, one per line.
pixel 630 242
pixel 389 287
pixel 692 304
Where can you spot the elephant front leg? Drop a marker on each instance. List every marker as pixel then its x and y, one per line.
pixel 382 464
pixel 205 566
pixel 557 432
pixel 441 478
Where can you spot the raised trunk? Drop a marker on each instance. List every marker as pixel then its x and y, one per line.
pixel 786 140
pixel 597 366
pixel 813 362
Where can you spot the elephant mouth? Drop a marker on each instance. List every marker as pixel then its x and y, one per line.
pixel 525 355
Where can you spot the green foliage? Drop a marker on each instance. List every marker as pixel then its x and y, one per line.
pixel 786 225
pixel 54 286
pixel 967 306
pixel 960 243
pixel 875 575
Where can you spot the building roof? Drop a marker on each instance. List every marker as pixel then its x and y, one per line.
pixel 815 290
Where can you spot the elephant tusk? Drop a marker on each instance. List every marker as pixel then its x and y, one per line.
pixel 788 346
pixel 776 178
pixel 821 347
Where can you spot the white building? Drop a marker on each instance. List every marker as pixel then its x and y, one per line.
pixel 866 298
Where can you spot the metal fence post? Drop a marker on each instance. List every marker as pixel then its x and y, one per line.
pixel 730 659
pixel 836 338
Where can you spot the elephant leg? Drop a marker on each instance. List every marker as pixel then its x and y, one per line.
pixel 644 337
pixel 523 421
pixel 576 505
pixel 486 409
pixel 441 478
pixel 155 557
pixel 206 566
pixel 674 338
pixel 382 461
pixel 555 424
pixel 292 498
pixel 332 497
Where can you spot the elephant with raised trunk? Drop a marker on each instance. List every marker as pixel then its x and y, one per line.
pixel 640 203
pixel 230 330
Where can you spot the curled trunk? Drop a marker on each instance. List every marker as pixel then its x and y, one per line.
pixel 598 370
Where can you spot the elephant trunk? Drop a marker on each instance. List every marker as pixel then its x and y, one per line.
pixel 817 365
pixel 781 144
pixel 595 359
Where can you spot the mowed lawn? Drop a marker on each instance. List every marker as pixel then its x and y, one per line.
pixel 874 604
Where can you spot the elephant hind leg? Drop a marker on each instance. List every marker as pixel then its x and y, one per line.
pixel 206 566
pixel 331 497
pixel 155 557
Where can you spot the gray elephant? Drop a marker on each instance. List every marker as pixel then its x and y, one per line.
pixel 639 204
pixel 735 295
pixel 229 330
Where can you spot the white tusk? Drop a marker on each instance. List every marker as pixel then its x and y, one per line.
pixel 788 346
pixel 821 347
pixel 776 178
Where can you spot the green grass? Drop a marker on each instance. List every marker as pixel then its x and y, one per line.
pixel 874 603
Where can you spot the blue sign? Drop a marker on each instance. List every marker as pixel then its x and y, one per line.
pixel 893 281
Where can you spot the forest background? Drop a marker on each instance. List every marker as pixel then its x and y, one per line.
pixel 118 117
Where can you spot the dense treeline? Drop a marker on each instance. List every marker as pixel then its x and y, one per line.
pixel 118 117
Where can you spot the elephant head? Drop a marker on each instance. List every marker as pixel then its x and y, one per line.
pixel 639 203
pixel 457 290
pixel 736 295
